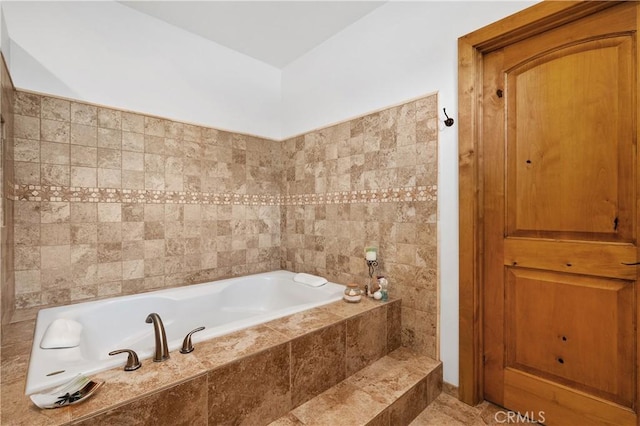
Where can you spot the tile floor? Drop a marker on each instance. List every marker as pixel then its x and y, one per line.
pixel 446 410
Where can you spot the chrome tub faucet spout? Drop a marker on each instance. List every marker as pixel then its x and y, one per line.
pixel 162 349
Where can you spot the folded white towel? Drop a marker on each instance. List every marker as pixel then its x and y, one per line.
pixel 310 280
pixel 61 333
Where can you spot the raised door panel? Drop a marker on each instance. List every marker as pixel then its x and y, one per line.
pixel 569 143
pixel 574 330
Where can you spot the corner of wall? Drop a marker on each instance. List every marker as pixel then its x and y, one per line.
pixel 7 276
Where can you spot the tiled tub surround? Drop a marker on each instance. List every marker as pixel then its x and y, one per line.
pixel 110 202
pixel 253 376
pixel 7 289
pixel 393 148
pixel 74 251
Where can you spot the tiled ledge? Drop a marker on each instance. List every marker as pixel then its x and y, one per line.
pixel 390 392
pixel 252 376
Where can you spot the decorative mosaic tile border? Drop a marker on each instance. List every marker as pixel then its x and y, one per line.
pixel 114 195
pixel 386 195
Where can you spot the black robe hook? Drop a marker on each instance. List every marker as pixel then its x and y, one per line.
pixel 449 121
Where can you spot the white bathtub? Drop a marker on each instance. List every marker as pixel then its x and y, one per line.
pixel 119 323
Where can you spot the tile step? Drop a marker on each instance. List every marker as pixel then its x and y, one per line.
pixel 391 391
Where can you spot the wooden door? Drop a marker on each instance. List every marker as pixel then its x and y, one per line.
pixel 560 222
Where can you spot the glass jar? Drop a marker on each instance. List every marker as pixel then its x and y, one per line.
pixel 384 288
pixel 352 293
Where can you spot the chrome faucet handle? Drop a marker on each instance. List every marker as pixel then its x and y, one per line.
pixel 133 363
pixel 187 346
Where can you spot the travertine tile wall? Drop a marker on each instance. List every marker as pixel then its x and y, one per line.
pixel 369 181
pixel 6 182
pixel 110 202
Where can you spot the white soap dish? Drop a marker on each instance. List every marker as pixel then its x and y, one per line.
pixel 73 392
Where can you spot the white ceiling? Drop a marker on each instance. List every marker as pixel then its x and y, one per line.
pixel 275 32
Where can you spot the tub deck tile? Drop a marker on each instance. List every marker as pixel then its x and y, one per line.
pixel 318 361
pixel 123 386
pixel 366 339
pixel 347 310
pixel 15 361
pixel 387 379
pixel 412 360
pixel 254 390
pixel 224 349
pixel 304 322
pixel 288 420
pixel 265 365
pixel 183 404
pixel 18 332
pixel 394 326
pixel 343 404
pixel 17 409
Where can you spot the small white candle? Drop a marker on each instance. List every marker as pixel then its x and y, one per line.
pixel 371 254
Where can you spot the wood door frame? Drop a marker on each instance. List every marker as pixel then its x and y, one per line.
pixel 471 49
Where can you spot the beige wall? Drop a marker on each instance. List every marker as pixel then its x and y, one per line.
pixel 110 202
